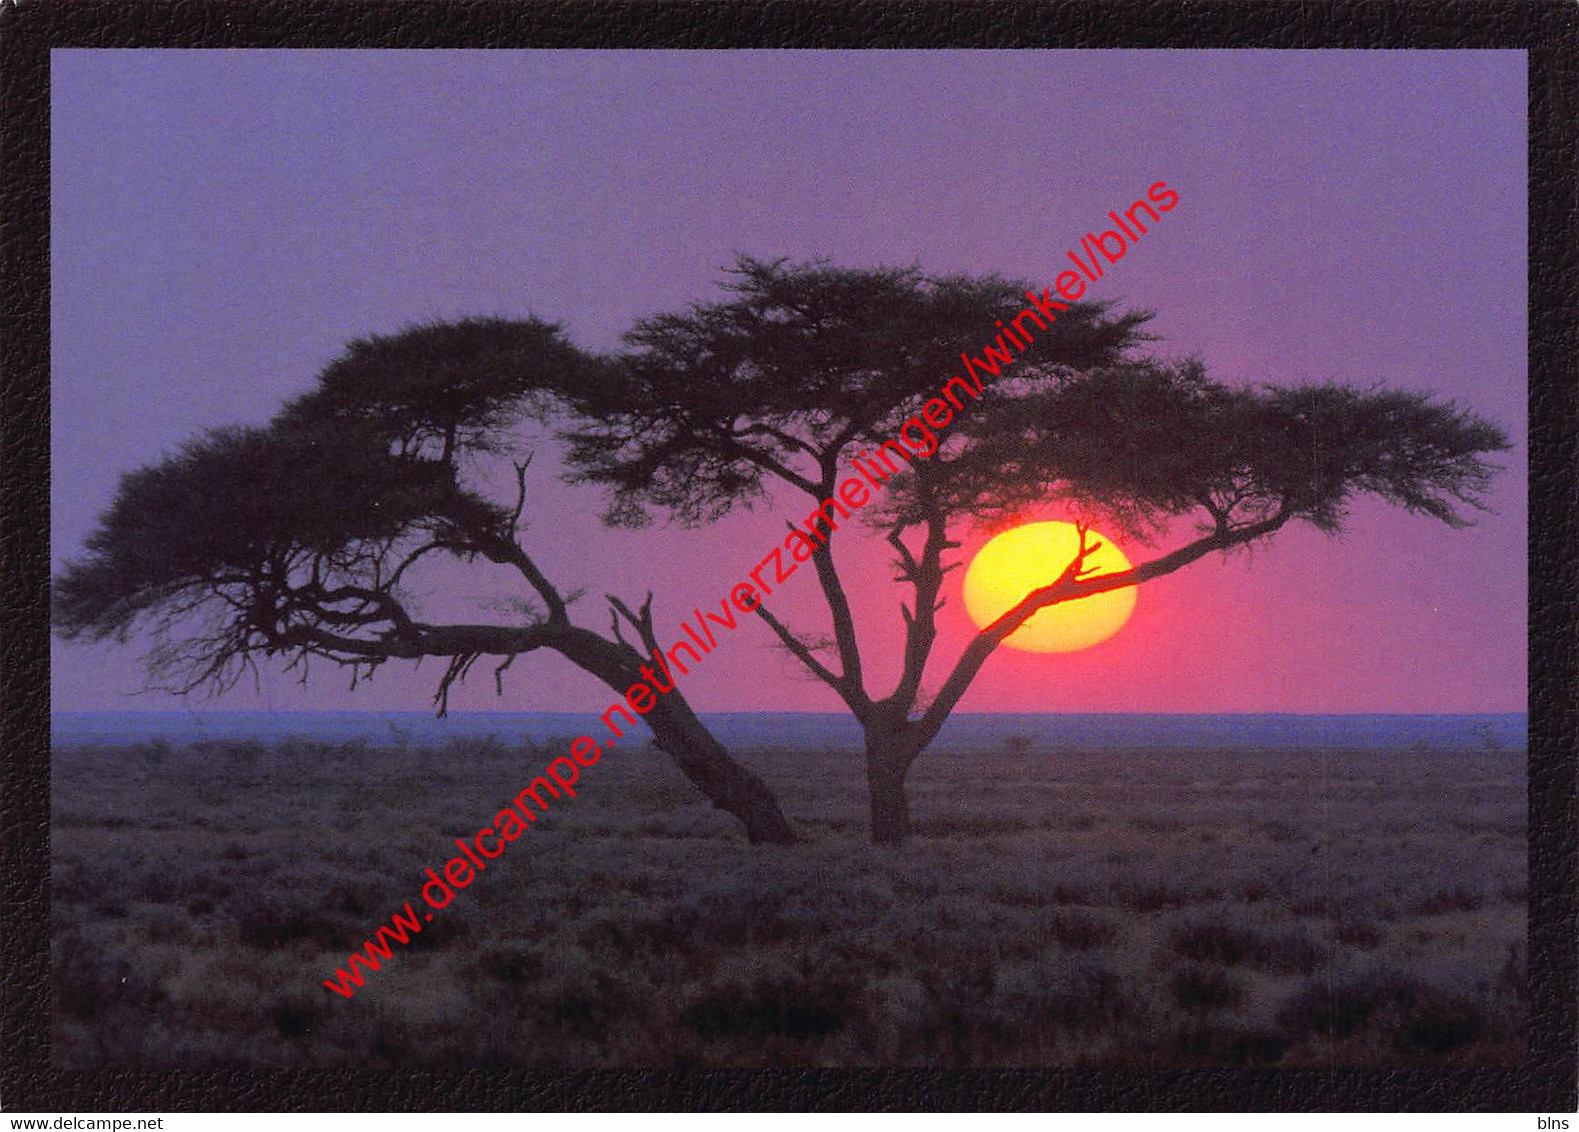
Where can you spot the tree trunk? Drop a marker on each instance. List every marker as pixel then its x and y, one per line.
pixel 888 759
pixel 725 783
pixel 686 739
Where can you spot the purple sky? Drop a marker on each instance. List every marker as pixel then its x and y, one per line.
pixel 223 221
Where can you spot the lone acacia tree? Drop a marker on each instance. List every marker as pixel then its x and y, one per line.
pixel 804 367
pixel 300 540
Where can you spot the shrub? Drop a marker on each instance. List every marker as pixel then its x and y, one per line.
pixel 352 901
pixel 1076 931
pixel 511 963
pixel 1014 896
pixel 295 1016
pixel 1415 1016
pixel 1156 897
pixel 591 1006
pixel 1084 995
pixel 1311 906
pixel 1255 891
pixel 156 888
pixel 447 927
pixel 1202 988
pixel 771 1009
pixel 1289 954
pixel 88 982
pixel 958 1011
pixel 674 930
pixel 1445 900
pixel 154 752
pixel 1435 1021
pixel 719 919
pixel 247 752
pixel 1073 894
pixel 1358 933
pixel 1211 941
pixel 738 919
pixel 970 826
pixel 1215 1046
pixel 272 926
pixel 168 929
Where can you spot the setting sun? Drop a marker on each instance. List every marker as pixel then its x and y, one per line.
pixel 1017 561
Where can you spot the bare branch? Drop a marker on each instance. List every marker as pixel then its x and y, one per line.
pixel 1072 584
pixel 520 493
pixel 508 552
pixel 498 674
pixel 925 575
pixel 614 625
pixel 394 578
pixel 459 665
pixel 852 684
pixel 802 651
pixel 641 622
pixel 781 436
pixel 766 462
pixel 909 568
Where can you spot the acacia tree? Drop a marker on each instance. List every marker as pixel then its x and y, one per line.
pixel 804 367
pixel 300 540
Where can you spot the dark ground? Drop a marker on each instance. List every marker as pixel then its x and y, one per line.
pixel 1055 908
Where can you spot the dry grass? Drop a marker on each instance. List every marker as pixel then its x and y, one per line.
pixel 1079 908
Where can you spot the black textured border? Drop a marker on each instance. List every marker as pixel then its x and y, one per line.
pixel 1548 30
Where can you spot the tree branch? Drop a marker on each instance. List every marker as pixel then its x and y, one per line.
pixel 394 578
pixel 508 552
pixel 802 652
pixel 852 687
pixel 784 438
pixel 641 622
pixel 498 674
pixel 387 607
pixel 926 578
pixel 520 493
pixel 909 568
pixel 1071 586
pixel 766 462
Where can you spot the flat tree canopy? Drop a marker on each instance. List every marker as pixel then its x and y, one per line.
pixel 803 366
pixel 293 538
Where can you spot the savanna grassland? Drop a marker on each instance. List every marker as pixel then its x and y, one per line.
pixel 1055 908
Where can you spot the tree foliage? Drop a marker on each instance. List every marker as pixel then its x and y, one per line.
pixel 1145 442
pixel 293 538
pixel 786 381
pixel 799 366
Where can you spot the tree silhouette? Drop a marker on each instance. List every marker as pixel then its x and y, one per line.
pixel 803 368
pixel 300 540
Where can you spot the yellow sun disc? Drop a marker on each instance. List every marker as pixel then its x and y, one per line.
pixel 1020 560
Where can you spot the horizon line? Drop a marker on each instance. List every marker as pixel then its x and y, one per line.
pixel 835 714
